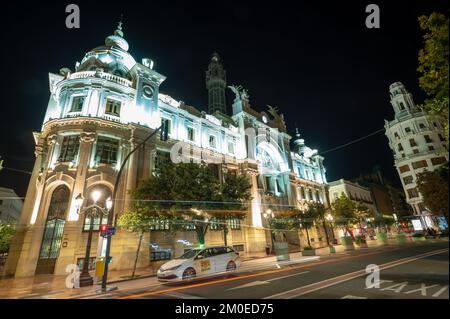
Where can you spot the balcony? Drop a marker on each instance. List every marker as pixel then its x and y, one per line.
pixel 101 75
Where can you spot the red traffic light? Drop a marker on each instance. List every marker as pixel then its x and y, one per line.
pixel 103 230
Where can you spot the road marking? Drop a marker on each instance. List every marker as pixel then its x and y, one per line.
pixel 353 297
pixel 423 289
pixel 138 295
pixel 438 293
pixel 264 282
pixel 250 284
pixel 346 277
pixel 180 295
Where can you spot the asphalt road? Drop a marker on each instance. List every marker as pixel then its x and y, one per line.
pixel 414 271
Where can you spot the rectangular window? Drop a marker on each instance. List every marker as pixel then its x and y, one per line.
pixel 160 158
pixel 212 141
pixel 168 123
pixel 428 139
pixel 269 184
pixel 408 180
pixel 412 193
pixel 106 152
pixel 400 147
pixel 396 135
pixel 190 134
pixel 113 107
pixel 69 148
pixel 431 148
pixel 415 151
pixel 419 164
pixel 160 255
pixel 441 138
pixel 231 146
pixel 279 186
pixel 407 130
pixel 404 168
pixel 438 160
pixel 162 224
pixel 235 223
pixel 412 142
pixel 77 103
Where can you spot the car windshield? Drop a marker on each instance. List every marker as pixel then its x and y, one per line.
pixel 191 253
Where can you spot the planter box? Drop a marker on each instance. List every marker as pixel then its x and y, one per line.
pixel 401 239
pixel 309 252
pixel 282 251
pixel 347 243
pixel 382 239
pixel 332 249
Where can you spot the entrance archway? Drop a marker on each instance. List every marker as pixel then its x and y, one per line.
pixel 53 230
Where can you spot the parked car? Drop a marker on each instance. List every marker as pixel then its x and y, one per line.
pixel 198 263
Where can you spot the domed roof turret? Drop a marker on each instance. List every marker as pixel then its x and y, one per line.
pixel 111 58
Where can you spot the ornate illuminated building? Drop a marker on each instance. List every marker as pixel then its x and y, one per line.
pixel 99 112
pixel 417 141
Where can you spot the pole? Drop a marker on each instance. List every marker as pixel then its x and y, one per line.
pixel 111 213
pixel 85 277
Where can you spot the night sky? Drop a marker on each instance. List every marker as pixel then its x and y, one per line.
pixel 316 61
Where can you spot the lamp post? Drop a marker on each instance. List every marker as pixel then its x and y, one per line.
pixel 330 219
pixel 164 135
pixel 90 211
pixel 268 214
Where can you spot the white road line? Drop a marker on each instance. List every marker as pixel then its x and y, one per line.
pixel 346 277
pixel 181 295
pixel 282 277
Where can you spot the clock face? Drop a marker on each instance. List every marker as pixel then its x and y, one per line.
pixel 264 118
pixel 148 91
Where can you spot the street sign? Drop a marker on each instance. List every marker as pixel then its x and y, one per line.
pixel 111 231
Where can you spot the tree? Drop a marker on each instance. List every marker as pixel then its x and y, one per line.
pixel 433 65
pixel 137 221
pixel 344 212
pixel 317 211
pixel 6 234
pixel 190 193
pixel 307 220
pixel 434 188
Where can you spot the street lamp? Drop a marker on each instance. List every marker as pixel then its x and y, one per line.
pixel 91 211
pixel 330 219
pixel 268 214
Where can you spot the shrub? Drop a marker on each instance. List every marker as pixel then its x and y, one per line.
pixel 308 248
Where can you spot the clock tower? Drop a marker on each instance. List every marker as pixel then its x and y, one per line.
pixel 216 84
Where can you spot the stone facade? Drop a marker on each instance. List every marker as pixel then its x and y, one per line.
pixel 417 142
pixel 100 112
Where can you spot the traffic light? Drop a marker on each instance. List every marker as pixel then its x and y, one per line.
pixel 104 230
pixel 164 133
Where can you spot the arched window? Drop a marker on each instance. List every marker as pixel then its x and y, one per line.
pixel 53 231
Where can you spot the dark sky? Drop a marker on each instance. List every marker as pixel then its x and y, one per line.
pixel 315 60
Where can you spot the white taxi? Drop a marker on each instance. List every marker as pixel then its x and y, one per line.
pixel 199 262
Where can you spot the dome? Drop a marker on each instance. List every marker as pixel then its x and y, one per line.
pixel 112 57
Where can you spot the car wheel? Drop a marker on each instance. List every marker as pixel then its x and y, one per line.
pixel 231 266
pixel 189 273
